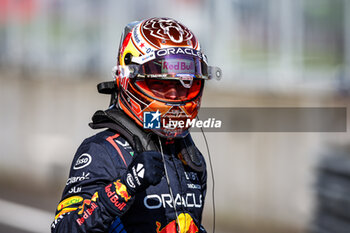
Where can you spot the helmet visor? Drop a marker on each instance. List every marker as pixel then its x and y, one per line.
pixel 172 77
pixel 169 90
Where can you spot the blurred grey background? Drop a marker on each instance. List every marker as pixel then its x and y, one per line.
pixel 273 53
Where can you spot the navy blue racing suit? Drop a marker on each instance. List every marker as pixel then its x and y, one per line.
pixel 96 200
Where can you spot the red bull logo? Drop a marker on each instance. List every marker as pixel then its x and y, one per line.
pixel 82 207
pixel 120 189
pixel 184 222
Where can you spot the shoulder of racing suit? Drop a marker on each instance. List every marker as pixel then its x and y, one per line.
pixel 97 164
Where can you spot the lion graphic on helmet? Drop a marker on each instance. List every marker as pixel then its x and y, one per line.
pixel 168 29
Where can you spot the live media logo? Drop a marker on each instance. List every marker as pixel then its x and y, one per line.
pixel 151 120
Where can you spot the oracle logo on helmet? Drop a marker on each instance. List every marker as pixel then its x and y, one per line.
pixel 179 50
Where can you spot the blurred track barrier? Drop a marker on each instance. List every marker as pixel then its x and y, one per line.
pixel 332 193
pixel 24 217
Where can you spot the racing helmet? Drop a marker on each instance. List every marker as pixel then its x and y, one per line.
pixel 160 75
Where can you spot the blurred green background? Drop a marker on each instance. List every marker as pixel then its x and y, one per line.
pixel 273 53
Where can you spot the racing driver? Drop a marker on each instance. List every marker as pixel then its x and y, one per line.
pixel 143 173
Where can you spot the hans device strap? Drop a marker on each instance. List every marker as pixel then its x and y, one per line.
pixel 117 120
